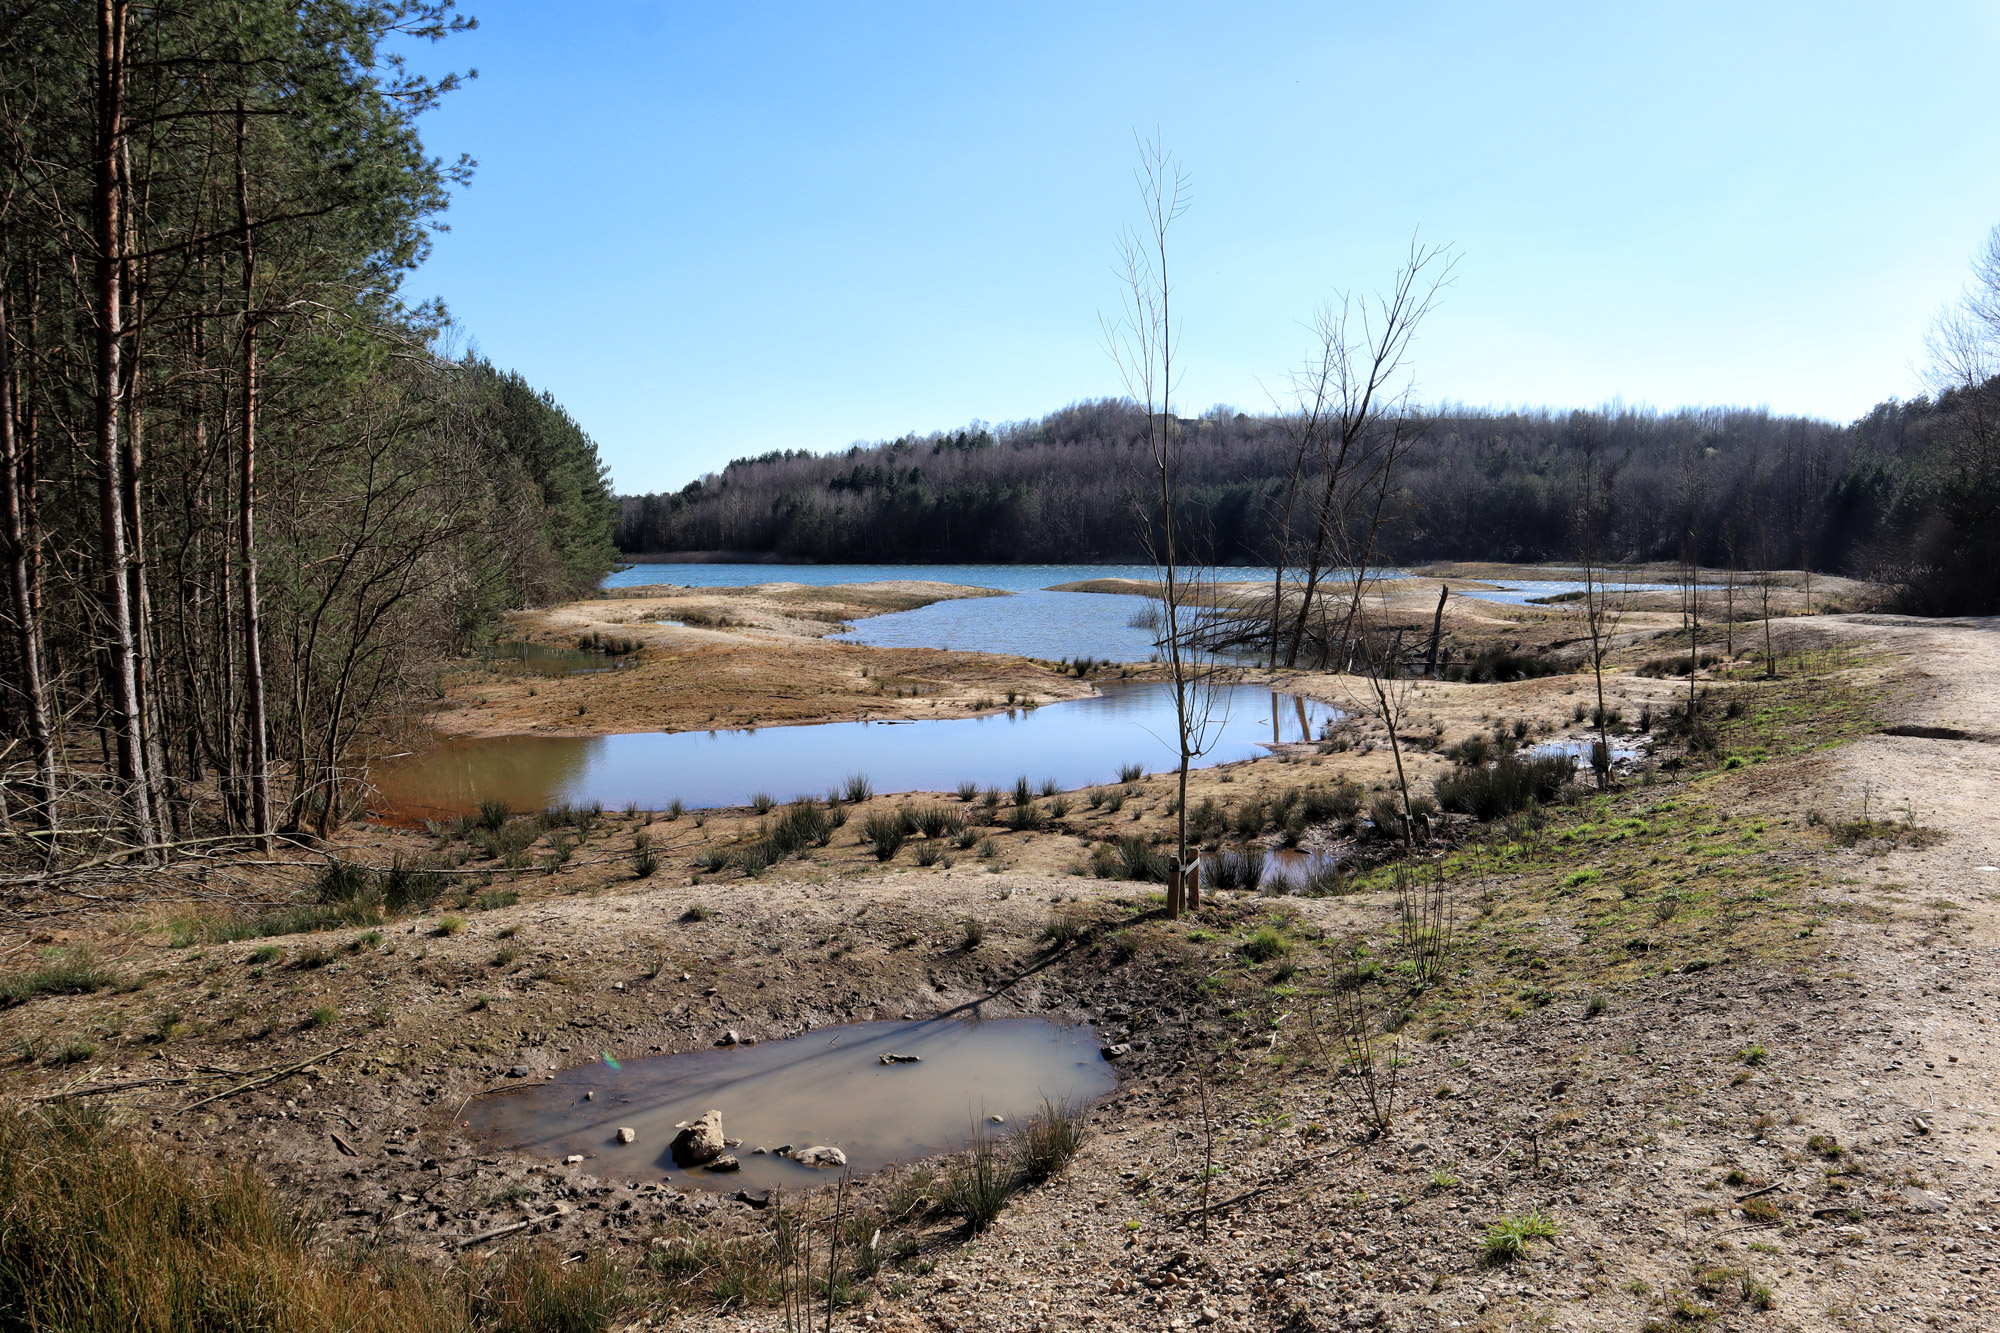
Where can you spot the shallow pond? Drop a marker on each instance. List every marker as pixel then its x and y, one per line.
pixel 543 660
pixel 826 1088
pixel 1054 626
pixel 1078 743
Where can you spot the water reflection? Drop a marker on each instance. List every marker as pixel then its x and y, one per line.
pixel 546 661
pixel 822 1088
pixel 1077 743
pixel 1053 626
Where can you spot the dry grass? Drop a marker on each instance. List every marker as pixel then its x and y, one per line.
pixel 100 1230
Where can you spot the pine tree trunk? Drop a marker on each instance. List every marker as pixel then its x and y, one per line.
pixel 246 520
pixel 123 667
pixel 20 581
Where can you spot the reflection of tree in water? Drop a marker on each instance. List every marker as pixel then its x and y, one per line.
pixel 527 772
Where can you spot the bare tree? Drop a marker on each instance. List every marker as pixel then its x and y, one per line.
pixel 1360 399
pixel 110 263
pixel 1144 342
pixel 1592 518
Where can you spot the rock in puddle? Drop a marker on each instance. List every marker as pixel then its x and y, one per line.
pixel 700 1141
pixel 891 1058
pixel 818 1155
pixel 626 1134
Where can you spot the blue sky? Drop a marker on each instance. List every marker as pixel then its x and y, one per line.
pixel 717 229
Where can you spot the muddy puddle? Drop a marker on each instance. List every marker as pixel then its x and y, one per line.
pixel 542 660
pixel 1077 743
pixel 828 1088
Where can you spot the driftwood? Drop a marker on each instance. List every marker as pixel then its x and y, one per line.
pixel 265 1080
pixel 497 1232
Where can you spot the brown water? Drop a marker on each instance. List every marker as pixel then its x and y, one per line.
pixel 822 1088
pixel 542 660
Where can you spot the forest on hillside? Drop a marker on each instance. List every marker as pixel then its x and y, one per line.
pixel 247 501
pixel 1749 488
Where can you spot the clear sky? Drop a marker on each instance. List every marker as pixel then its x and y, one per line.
pixel 715 229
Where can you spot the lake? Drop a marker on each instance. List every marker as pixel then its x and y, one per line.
pixel 1079 743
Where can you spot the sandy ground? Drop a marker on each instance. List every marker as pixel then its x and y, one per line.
pixel 740 657
pixel 1806 996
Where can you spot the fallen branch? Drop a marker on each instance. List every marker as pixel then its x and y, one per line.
pixel 265 1080
pixel 512 1227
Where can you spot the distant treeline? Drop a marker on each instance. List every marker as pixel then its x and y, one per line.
pixel 1888 496
pixel 244 503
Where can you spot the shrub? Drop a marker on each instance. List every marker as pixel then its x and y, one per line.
pixel 410 886
pixel 1064 929
pixel 1114 802
pixel 74 972
pixel 538 1289
pixel 106 1231
pixel 492 814
pixel 1318 805
pixel 934 821
pixel 1059 807
pixel 929 854
pixel 675 809
pixel 1472 752
pixel 1267 944
pixel 1137 860
pixel 1047 1140
pixel 1251 818
pixel 1131 772
pixel 450 924
pixel 1386 812
pixel 762 803
pixel 1508 1238
pixel 885 834
pixel 973 933
pixel 1024 817
pixel 858 788
pixel 968 792
pixel 644 859
pixel 1509 786
pixel 978 1186
pixel 1239 872
pixel 805 823
pixel 1505 664
pixel 1024 791
pixel 323 1016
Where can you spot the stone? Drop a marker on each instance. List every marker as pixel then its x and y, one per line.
pixel 519 1071
pixel 755 1198
pixel 590 1096
pixel 1924 1201
pixel 725 1163
pixel 819 1155
pixel 627 1134
pixel 728 1038
pixel 573 1159
pixel 700 1142
pixel 1116 1049
pixel 996 1119
pixel 891 1058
